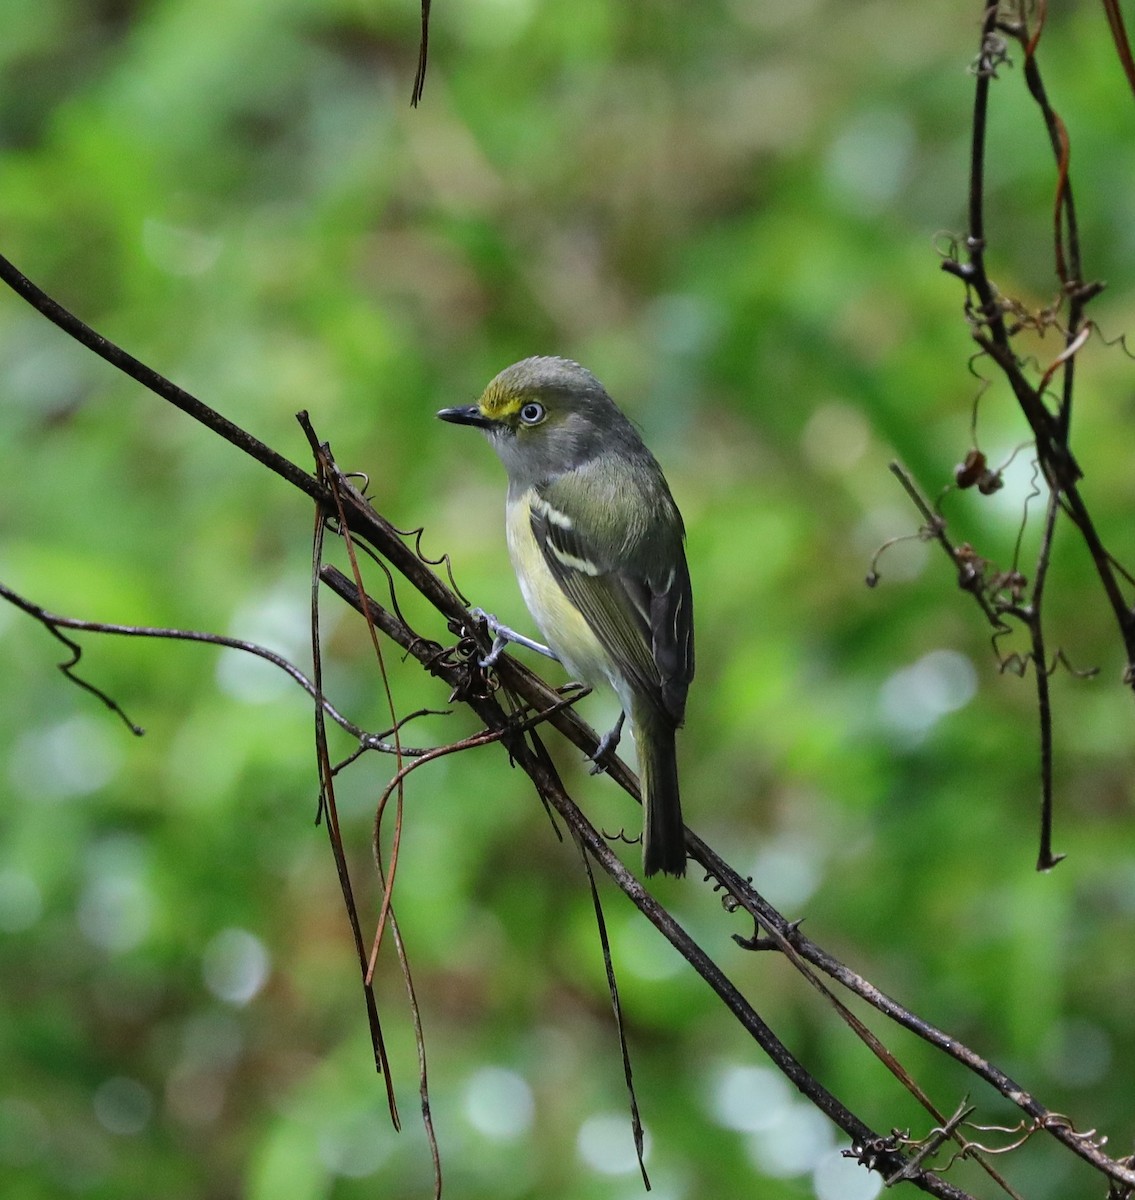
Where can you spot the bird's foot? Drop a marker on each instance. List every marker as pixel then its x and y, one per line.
pixel 608 744
pixel 502 635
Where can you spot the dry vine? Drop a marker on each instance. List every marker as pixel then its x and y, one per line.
pixel 996 320
pixel 514 706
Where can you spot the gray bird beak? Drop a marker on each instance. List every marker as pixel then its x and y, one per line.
pixel 470 414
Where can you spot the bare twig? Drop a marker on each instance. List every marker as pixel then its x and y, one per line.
pixel 53 622
pixel 986 316
pixel 329 808
pixel 338 499
pixel 547 782
pixel 423 56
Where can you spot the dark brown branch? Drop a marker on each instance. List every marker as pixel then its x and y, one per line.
pixel 547 782
pixel 1045 858
pixel 423 56
pixel 1122 42
pixel 329 809
pixel 769 918
pixel 156 383
pixel 617 1015
pixel 53 622
pixel 987 316
pixel 406 561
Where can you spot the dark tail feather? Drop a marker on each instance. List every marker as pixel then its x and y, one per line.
pixel 664 837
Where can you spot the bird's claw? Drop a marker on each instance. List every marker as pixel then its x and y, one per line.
pixel 608 744
pixel 502 635
pixel 490 659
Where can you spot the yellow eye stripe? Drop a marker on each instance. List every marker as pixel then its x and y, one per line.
pixel 498 402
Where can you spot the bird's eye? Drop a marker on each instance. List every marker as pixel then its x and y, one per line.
pixel 532 413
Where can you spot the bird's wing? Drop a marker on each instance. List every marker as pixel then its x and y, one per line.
pixel 627 575
pixel 672 631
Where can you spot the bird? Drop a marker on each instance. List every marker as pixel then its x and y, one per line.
pixel 597 544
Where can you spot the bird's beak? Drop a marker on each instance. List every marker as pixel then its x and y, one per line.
pixel 469 414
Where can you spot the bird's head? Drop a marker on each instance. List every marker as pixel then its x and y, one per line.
pixel 543 416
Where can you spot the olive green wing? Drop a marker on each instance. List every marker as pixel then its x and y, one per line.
pixel 617 553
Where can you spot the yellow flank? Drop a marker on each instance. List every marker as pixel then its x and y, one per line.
pixel 561 623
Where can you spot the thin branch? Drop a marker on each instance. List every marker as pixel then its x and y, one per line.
pixel 157 383
pixel 1122 42
pixel 617 1013
pixel 53 622
pixel 467 681
pixel 989 330
pixel 743 895
pixel 1046 859
pixel 329 808
pixel 543 775
pixel 423 56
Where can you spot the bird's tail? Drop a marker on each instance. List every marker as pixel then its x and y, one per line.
pixel 664 836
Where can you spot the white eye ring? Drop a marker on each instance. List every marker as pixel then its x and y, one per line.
pixel 532 413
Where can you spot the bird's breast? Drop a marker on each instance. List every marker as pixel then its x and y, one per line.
pixel 561 623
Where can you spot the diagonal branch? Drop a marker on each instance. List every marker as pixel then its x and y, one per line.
pixel 540 770
pixel 461 673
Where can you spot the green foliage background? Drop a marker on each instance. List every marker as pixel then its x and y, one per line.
pixel 728 211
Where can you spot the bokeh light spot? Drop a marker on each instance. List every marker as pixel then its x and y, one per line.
pixel 869 162
pixel 837 1177
pixel 789 870
pixel 72 758
pixel 793 1144
pixel 236 966
pixel 123 1106
pixel 606 1143
pixel 835 438
pixel 499 1103
pixel 356 1145
pixel 278 622
pixel 914 698
pixel 116 905
pixel 749 1098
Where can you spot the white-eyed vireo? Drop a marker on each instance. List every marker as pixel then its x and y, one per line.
pixel 596 542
